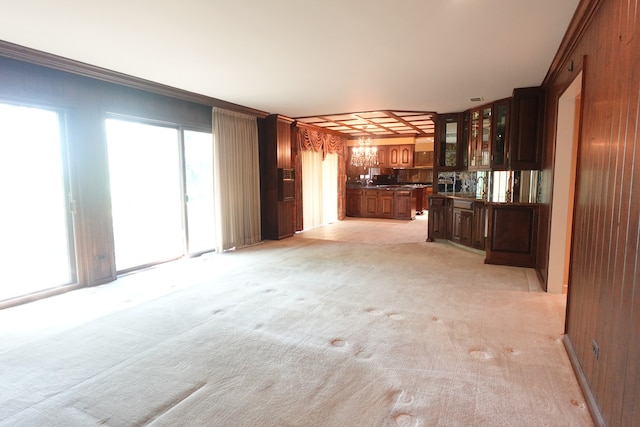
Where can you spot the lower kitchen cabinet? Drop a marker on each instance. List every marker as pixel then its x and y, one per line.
pixel 392 203
pixel 479 227
pixel 385 204
pixel 437 227
pixel 370 206
pixel 462 222
pixel 404 203
pixel 512 235
pixel 507 232
pixel 354 202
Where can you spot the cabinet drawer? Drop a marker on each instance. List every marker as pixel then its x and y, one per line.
pixel 462 204
pixel 436 201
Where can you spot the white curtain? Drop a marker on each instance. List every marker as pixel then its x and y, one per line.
pixel 319 188
pixel 236 179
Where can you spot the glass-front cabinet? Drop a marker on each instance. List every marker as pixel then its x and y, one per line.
pixel 480 138
pixel 450 142
pixel 499 147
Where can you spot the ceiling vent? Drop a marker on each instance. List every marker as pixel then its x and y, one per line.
pixel 476 99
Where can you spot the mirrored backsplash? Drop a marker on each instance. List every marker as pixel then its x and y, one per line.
pixel 494 186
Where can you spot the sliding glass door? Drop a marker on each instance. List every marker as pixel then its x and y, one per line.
pixel 161 192
pixel 146 195
pixel 36 244
pixel 198 164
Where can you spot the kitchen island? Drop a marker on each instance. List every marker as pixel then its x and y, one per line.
pixel 383 201
pixel 507 232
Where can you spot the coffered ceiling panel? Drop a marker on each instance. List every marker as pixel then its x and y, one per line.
pixel 377 123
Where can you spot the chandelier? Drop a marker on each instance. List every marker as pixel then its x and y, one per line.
pixel 364 155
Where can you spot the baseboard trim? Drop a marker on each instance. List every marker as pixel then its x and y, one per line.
pixel 596 415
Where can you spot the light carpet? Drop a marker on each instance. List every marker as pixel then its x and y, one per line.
pixel 359 323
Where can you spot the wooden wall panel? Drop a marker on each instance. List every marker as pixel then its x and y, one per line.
pixel 603 305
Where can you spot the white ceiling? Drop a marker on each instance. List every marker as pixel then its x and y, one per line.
pixel 304 57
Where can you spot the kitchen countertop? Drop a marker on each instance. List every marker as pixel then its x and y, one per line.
pixel 387 187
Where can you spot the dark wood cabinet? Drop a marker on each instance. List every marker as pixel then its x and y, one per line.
pixel 385 204
pixel 383 156
pixel 354 202
pixel 396 203
pixel 506 134
pixel 450 142
pixel 525 128
pixel 275 142
pixel 437 224
pixel 404 203
pixel 480 132
pixel 462 222
pixel 370 206
pixel 406 156
pixel 512 235
pixel 399 156
pixel 479 226
pixel 500 135
pixel 506 232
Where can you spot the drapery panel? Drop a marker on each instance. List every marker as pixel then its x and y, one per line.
pixel 325 143
pixel 312 194
pixel 236 179
pixel 319 190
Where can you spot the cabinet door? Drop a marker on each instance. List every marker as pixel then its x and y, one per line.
pixel 436 223
pixel 480 138
pixel 406 156
pixel 484 162
pixel 385 204
pixel 456 225
pixel 525 133
pixel 354 202
pixel 466 227
pixel 499 141
pixel 370 206
pixel 394 156
pixel 404 205
pixel 383 156
pixel 449 142
pixel 479 225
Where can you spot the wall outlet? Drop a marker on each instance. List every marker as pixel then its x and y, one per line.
pixel 595 349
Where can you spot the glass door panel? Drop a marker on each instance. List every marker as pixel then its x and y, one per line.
pixel 499 149
pixel 474 139
pixel 485 149
pixel 146 194
pixel 448 142
pixel 198 163
pixel 36 248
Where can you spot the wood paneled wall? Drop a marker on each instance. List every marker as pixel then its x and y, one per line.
pixel 85 102
pixel 604 287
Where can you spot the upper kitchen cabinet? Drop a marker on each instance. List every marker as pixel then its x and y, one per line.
pixel 499 139
pixel 450 142
pixel 400 156
pixel 480 127
pixel 525 128
pixel 506 134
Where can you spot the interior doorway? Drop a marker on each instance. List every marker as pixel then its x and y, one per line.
pixel 564 179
